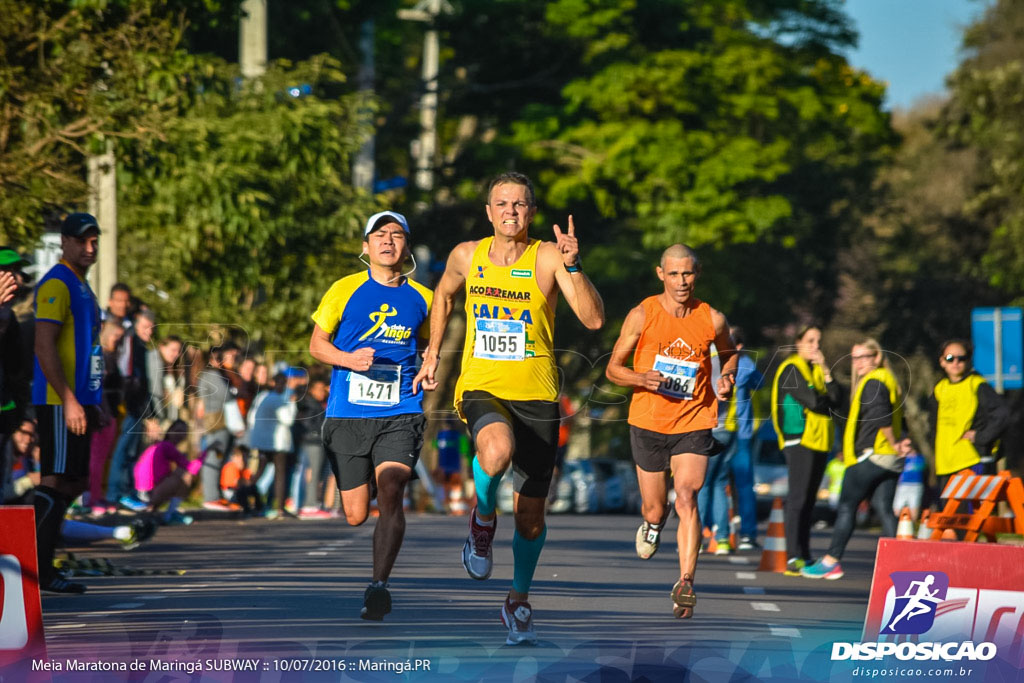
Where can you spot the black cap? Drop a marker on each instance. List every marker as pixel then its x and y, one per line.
pixel 77 224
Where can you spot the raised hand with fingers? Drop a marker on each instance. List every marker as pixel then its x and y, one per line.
pixel 8 286
pixel 567 244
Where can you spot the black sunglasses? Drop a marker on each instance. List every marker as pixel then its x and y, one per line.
pixel 949 358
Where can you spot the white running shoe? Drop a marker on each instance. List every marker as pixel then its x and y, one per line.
pixel 647 541
pixel 518 617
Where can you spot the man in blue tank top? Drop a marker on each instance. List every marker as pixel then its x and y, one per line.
pixel 370 327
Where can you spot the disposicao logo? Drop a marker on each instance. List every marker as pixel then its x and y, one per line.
pixel 918 595
pixel 919 599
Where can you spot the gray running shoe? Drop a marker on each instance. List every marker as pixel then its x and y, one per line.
pixel 476 553
pixel 684 599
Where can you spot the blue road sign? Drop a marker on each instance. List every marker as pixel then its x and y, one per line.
pixel 999 346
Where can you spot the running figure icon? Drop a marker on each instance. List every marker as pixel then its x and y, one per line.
pixel 918 594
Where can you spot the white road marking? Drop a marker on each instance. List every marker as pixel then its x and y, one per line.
pixel 765 606
pixel 784 631
pixel 746 576
pixel 738 560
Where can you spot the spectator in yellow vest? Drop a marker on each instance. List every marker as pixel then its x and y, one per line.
pixel 966 415
pixel 873 458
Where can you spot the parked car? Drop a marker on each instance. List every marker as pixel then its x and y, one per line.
pixel 631 487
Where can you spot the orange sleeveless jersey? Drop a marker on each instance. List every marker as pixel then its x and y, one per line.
pixel 680 349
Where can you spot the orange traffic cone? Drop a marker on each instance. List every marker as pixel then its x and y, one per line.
pixel 734 520
pixel 949 535
pixel 924 532
pixel 905 528
pixel 773 559
pixel 456 501
pixel 709 539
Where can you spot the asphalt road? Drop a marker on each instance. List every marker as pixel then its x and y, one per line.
pixel 287 594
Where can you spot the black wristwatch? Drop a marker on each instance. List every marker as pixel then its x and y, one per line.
pixel 576 267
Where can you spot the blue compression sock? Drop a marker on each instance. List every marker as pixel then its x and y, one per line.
pixel 486 489
pixel 83 532
pixel 524 558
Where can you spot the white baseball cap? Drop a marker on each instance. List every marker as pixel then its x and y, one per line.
pixel 375 221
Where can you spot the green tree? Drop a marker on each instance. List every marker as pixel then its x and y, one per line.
pixel 986 114
pixel 73 75
pixel 736 127
pixel 245 213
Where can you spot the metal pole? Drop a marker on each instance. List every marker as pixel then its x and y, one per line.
pixel 102 175
pixel 997 324
pixel 428 106
pixel 363 169
pixel 425 148
pixel 252 38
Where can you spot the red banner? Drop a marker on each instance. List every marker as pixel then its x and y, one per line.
pixel 984 601
pixel 21 613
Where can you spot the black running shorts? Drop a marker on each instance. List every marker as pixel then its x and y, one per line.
pixel 534 426
pixel 653 451
pixel 355 447
pixel 60 451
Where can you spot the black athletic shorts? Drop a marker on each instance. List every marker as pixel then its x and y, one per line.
pixel 534 426
pixel 355 447
pixel 653 451
pixel 60 451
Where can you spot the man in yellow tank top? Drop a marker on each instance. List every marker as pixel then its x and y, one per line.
pixel 674 407
pixel 507 392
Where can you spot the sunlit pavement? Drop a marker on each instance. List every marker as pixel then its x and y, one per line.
pixel 288 594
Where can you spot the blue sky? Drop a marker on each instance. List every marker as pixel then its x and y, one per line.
pixel 911 44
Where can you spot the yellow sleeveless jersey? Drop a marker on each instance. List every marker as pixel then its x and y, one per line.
pixel 509 330
pixel 882 445
pixel 816 430
pixel 958 404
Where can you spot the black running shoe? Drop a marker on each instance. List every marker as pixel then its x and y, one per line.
pixel 145 528
pixel 61 585
pixel 376 603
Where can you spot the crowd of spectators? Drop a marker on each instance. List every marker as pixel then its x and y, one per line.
pixel 181 427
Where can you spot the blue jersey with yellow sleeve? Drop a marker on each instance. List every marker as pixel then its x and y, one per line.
pixel 64 298
pixel 359 312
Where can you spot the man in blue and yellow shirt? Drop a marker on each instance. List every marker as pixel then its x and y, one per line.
pixel 370 327
pixel 67 386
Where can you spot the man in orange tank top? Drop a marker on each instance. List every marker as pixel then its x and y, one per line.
pixel 674 407
pixel 508 388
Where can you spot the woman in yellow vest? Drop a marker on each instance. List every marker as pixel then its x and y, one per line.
pixel 967 415
pixel 871 451
pixel 803 397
